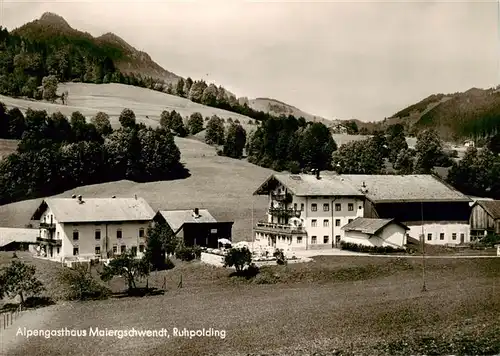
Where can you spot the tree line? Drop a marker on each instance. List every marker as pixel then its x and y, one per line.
pixel 56 154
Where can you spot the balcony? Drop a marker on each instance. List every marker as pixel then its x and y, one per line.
pixel 52 242
pixel 48 226
pixel 284 212
pixel 279 228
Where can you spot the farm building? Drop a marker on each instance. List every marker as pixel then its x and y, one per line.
pixel 424 203
pixel 485 218
pixel 308 211
pixel 82 229
pixel 195 227
pixel 12 239
pixel 375 232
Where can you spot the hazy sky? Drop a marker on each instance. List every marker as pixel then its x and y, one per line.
pixel 363 60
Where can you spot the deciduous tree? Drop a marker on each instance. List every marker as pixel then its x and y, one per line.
pixel 235 141
pixel 20 280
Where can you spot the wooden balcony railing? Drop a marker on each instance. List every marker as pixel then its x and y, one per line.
pixel 53 242
pixel 284 212
pixel 48 226
pixel 279 228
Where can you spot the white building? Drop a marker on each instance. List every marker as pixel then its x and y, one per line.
pixel 375 232
pixel 306 211
pixel 83 229
pixel 424 203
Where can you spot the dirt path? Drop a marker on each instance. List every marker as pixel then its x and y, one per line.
pixel 10 340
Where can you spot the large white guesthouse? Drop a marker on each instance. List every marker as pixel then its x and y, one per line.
pixel 308 211
pixel 83 229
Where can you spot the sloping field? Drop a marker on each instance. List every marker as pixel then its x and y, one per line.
pixel 113 98
pixel 220 184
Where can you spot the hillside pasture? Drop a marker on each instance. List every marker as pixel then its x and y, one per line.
pixel 112 98
pixel 220 184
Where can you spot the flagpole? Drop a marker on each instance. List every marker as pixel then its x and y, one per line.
pixel 424 288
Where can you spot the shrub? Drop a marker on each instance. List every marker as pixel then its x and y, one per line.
pixel 168 264
pixel 238 258
pixel 236 121
pixel 490 239
pixel 185 253
pixel 369 249
pixel 81 285
pixel 280 257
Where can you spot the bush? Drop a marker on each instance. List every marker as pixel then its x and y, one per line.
pixel 185 253
pixel 81 285
pixel 280 257
pixel 238 258
pixel 490 240
pixel 37 302
pixel 369 249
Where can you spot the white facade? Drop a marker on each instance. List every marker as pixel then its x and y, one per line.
pixel 441 233
pixel 85 241
pixel 393 235
pixel 321 221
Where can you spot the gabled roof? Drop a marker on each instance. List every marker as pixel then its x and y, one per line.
pixel 177 218
pixel 67 210
pixel 8 235
pixel 309 185
pixel 405 188
pixel 370 226
pixel 492 207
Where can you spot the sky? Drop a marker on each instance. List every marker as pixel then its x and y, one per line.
pixel 335 59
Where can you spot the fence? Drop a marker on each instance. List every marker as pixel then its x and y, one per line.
pixel 8 318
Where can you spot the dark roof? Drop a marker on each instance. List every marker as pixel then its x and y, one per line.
pixel 492 207
pixel 370 226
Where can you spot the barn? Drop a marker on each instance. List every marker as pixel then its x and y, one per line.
pixel 195 227
pixel 485 218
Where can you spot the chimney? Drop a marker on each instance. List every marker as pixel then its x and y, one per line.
pixel 80 199
pixel 73 196
pixel 113 197
pixel 364 189
pixel 196 212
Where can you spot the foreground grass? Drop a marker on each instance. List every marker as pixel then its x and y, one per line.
pixel 334 305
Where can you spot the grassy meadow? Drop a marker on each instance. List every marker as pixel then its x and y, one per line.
pixel 331 306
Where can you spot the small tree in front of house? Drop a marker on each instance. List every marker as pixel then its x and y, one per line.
pixel 238 258
pixel 126 265
pixel 80 283
pixel 18 279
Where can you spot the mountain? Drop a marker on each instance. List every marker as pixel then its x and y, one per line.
pixel 276 107
pixel 471 114
pixel 52 28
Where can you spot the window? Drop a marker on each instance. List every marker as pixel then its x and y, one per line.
pixel 429 237
pixel 98 234
pixel 123 248
pixel 141 248
pixel 313 240
pixel 325 239
pixel 326 207
pixel 350 207
pixel 141 232
pixel 98 250
pixel 337 238
pixel 302 207
pixel 314 207
pixel 454 236
pixel 118 234
pixel 213 231
pixel 441 236
pixel 338 207
pixel 314 223
pixel 58 235
pixel 58 250
pixel 349 221
pixel 115 249
pixel 299 239
pixel 294 206
pixel 337 222
pixel 326 223
pixel 75 235
pixel 75 251
pixel 134 250
pixel 360 207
